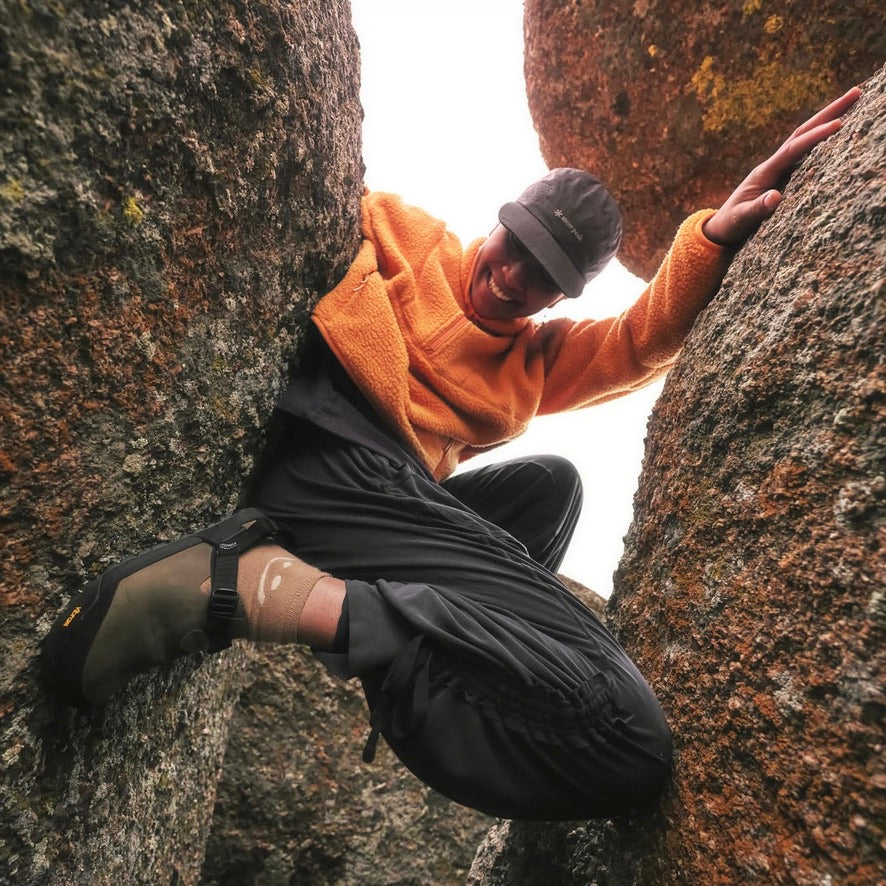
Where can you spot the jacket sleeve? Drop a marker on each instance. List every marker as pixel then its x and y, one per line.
pixel 589 361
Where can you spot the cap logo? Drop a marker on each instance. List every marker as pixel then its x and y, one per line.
pixel 573 230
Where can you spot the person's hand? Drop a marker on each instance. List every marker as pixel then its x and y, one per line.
pixel 757 197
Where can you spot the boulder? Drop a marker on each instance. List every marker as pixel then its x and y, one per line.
pixel 751 588
pixel 672 105
pixel 179 183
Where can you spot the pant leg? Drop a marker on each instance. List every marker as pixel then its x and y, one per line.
pixel 486 677
pixel 537 499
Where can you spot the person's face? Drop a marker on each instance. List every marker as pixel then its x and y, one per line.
pixel 508 282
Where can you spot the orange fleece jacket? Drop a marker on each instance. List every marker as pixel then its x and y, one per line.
pixel 402 327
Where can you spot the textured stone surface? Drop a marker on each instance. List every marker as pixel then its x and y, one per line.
pixel 178 183
pixel 591 599
pixel 671 104
pixel 751 589
pixel 296 804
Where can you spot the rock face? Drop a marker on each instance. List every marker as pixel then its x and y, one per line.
pixel 671 105
pixel 178 184
pixel 296 804
pixel 751 589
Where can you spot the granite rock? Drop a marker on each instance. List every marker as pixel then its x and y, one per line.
pixel 178 184
pixel 671 105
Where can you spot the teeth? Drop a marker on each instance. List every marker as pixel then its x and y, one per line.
pixel 493 288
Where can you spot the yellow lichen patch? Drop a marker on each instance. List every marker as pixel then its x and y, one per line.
pixel 751 6
pixel 773 24
pixel 13 191
pixel 706 82
pixel 132 212
pixel 652 50
pixel 771 91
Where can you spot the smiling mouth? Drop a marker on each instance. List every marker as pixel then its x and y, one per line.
pixel 494 289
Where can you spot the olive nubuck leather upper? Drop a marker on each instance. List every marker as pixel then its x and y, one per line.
pixel 450 383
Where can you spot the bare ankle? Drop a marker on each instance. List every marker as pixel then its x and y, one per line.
pixel 320 617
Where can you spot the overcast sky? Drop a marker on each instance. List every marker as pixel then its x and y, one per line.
pixel 447 127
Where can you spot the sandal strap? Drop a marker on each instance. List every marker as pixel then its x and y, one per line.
pixel 230 539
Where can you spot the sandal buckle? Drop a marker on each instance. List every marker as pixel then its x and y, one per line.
pixel 223 603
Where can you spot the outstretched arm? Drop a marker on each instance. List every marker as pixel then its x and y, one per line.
pixel 757 197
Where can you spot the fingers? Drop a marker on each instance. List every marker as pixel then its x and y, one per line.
pixel 769 202
pixel 739 216
pixel 757 197
pixel 798 146
pixel 816 129
pixel 761 208
pixel 834 110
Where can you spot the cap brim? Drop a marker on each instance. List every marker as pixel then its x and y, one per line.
pixel 544 248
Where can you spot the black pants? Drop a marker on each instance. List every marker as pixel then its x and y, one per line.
pixel 487 678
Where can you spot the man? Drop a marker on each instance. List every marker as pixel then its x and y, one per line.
pixel 486 677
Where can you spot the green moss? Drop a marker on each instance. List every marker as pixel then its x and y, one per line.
pixel 219 407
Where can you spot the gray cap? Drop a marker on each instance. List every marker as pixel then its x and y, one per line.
pixel 570 224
